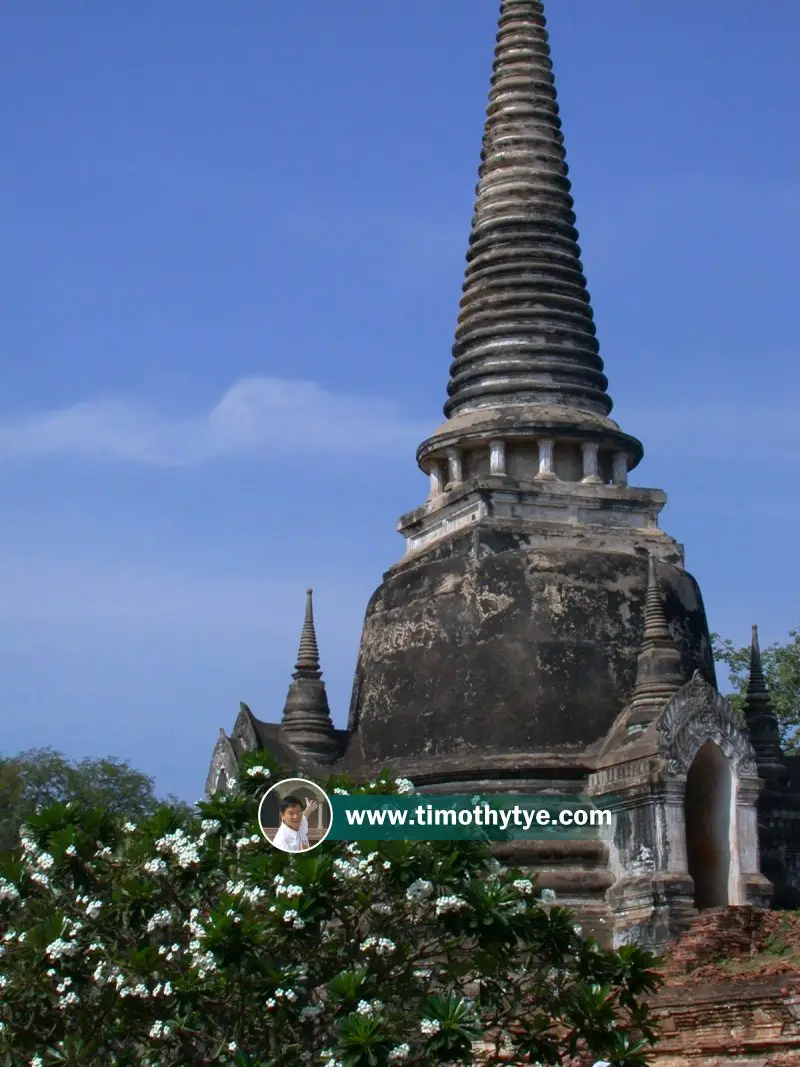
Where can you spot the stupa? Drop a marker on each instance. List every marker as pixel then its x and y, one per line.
pixel 541 634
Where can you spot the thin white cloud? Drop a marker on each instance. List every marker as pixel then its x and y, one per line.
pixel 263 417
pixel 256 415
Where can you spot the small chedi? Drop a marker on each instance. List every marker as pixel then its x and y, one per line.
pixel 541 634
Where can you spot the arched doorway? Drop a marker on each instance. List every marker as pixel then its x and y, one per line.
pixel 708 810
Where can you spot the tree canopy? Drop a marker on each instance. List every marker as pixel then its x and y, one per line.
pixel 40 777
pixel 781 664
pixel 188 939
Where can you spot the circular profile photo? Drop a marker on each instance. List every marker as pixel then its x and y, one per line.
pixel 295 815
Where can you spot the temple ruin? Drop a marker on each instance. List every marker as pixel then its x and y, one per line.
pixel 541 634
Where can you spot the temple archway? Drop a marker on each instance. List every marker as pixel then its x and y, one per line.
pixel 708 810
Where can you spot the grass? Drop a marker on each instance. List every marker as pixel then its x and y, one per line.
pixel 782 943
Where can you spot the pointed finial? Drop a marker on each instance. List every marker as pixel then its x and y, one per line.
pixel 762 723
pixel 756 683
pixel 307 665
pixel 306 723
pixel 655 621
pixel 659 667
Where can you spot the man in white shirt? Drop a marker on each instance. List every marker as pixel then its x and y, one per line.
pixel 292 835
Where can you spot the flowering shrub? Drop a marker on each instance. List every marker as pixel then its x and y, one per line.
pixel 196 943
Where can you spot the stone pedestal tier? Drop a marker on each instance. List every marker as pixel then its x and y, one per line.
pixel 577 871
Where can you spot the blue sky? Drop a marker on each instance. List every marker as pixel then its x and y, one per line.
pixel 233 242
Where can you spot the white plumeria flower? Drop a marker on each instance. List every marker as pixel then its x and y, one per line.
pixel 160 919
pixel 60 948
pixel 179 845
pixel 448 904
pixel 369 1008
pixel 419 890
pixel 289 890
pixel 381 946
pixel 156 866
pixel 8 891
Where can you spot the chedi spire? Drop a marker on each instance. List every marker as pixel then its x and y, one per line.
pixel 659 673
pixel 526 364
pixel 306 720
pixel 526 331
pixel 307 665
pixel 762 723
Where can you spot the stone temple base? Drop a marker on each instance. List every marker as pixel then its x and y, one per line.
pixel 651 910
pixel 515 638
pixel 577 871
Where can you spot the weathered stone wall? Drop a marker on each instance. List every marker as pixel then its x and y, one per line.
pixel 501 640
pixel 780 819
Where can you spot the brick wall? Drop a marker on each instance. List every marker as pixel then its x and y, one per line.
pixel 732 995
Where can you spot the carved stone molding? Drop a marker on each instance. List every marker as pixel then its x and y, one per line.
pixel 244 731
pixel 619 775
pixel 696 714
pixel 223 762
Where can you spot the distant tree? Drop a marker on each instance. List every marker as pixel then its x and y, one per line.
pixel 40 777
pixel 781 663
